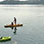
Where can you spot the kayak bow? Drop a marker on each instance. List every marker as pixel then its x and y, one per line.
pixel 5 39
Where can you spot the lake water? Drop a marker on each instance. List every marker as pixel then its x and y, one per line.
pixel 32 18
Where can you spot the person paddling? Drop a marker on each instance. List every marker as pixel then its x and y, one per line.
pixel 15 23
pixel 15 20
pixel 12 24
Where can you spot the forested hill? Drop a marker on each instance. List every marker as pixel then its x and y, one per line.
pixel 23 2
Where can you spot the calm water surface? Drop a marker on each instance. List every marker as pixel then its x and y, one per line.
pixel 32 18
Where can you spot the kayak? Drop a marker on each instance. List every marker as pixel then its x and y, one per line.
pixel 5 38
pixel 17 25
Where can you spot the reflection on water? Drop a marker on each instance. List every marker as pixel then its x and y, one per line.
pixel 15 29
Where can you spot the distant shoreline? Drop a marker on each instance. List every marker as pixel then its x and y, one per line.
pixel 20 2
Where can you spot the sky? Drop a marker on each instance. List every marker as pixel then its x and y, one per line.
pixel 1 0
